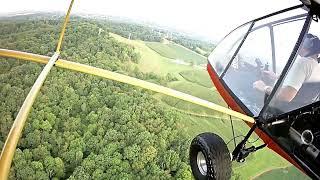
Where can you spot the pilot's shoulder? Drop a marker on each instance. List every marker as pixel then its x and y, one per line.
pixel 307 62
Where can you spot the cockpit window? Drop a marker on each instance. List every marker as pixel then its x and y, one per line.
pixel 301 85
pixel 254 57
pixel 261 58
pixel 225 50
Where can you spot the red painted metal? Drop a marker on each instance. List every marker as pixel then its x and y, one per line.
pixel 234 106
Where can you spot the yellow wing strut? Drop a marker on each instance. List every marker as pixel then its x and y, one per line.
pixel 15 132
pixel 17 127
pixel 125 79
pixel 63 30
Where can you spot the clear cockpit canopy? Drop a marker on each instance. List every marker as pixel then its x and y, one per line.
pixel 250 59
pixel 300 85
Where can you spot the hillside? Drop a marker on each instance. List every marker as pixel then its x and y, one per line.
pixel 198 119
pixel 177 52
pixel 287 173
pixel 199 77
pixel 84 127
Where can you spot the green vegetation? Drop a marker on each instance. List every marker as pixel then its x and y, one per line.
pixel 196 119
pixel 200 51
pixel 201 47
pixel 195 90
pixel 43 36
pixel 177 52
pixel 288 173
pixel 151 61
pixel 83 127
pixel 199 77
pixel 151 33
pixel 134 31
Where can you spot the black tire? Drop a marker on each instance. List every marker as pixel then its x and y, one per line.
pixel 216 154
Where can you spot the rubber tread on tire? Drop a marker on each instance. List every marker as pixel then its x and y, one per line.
pixel 217 157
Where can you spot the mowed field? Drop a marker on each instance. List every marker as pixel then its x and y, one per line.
pixel 197 119
pixel 197 76
pixel 194 89
pixel 177 52
pixel 151 61
pixel 287 173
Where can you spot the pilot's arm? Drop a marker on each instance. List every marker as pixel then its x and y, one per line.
pixel 297 75
pixel 260 84
pixel 287 93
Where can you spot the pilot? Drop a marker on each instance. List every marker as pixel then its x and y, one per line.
pixel 305 69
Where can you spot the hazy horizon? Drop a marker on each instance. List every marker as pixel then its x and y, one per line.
pixel 202 18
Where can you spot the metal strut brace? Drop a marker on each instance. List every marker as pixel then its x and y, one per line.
pixel 241 152
pixel 64 26
pixel 233 134
pixel 17 127
pixel 18 124
pixel 125 79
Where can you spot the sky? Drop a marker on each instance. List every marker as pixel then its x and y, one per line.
pixel 209 18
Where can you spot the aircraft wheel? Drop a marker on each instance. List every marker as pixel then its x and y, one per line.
pixel 210 157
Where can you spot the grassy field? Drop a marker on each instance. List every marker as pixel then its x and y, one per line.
pixel 151 61
pixel 174 51
pixel 199 76
pixel 194 81
pixel 200 51
pixel 195 90
pixel 220 125
pixel 255 163
pixel 287 173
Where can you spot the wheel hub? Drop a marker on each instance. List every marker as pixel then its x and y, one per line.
pixel 202 164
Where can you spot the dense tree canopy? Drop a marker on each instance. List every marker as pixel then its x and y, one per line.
pixel 84 127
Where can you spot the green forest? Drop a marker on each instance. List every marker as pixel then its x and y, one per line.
pixel 84 127
pixel 155 34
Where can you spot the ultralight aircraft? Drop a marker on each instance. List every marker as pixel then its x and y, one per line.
pixel 268 69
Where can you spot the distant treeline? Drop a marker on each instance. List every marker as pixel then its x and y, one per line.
pixel 134 31
pixel 198 46
pixel 147 33
pixel 126 29
pixel 140 32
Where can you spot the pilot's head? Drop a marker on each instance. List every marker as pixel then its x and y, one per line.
pixel 310 46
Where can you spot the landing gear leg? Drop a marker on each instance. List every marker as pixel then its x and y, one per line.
pixel 240 153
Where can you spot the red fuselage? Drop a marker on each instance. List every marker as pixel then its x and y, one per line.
pixel 236 107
